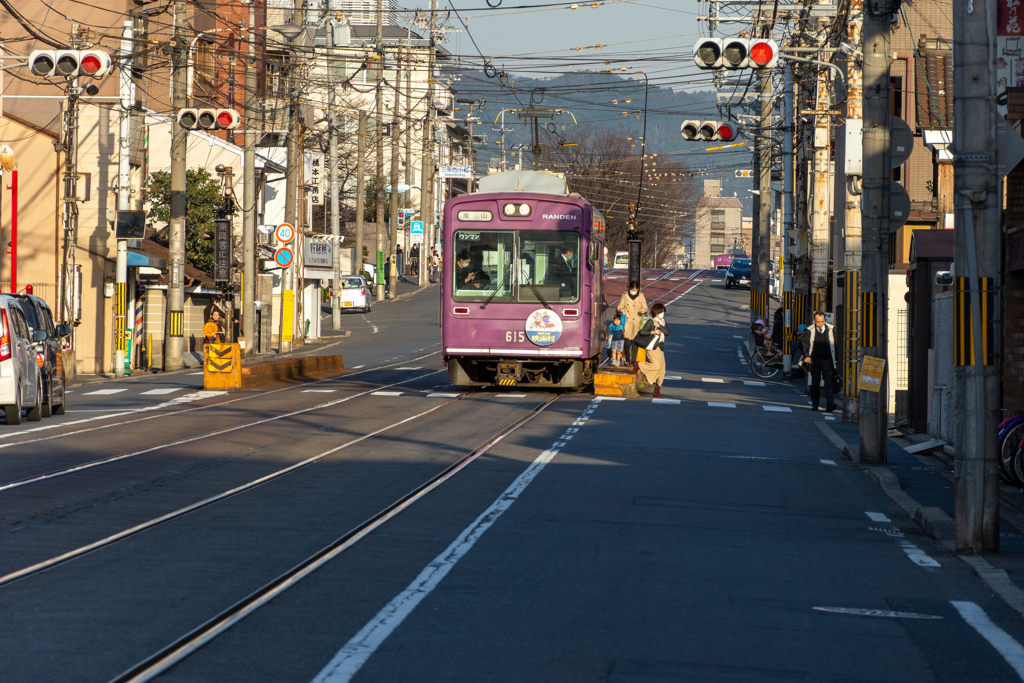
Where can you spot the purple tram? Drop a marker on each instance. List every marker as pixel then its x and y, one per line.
pixel 522 287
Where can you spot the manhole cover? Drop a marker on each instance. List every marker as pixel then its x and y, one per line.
pixel 859 612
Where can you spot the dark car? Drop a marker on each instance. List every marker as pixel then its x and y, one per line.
pixel 51 371
pixel 739 273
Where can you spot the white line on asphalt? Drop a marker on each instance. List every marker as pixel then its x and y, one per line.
pixel 916 555
pixel 739 354
pixel 713 404
pixel 104 392
pixel 737 336
pixel 386 393
pixel 1002 641
pixel 511 395
pixel 408 368
pixel 778 409
pixel 357 651
pixel 599 399
pixel 190 374
pixel 442 395
pixel 713 380
pixel 828 462
pixel 373 326
pixel 830 417
pixel 157 392
pixel 318 391
pixel 753 384
pixel 357 367
pixel 672 377
pixel 673 401
pixel 877 517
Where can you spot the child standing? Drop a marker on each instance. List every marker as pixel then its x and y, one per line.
pixel 617 330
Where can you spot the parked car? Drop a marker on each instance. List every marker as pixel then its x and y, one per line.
pixel 20 383
pixel 354 294
pixel 621 260
pixel 738 273
pixel 39 317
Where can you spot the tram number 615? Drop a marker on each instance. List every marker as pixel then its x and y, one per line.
pixel 515 336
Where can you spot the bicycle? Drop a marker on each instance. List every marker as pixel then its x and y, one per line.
pixel 765 366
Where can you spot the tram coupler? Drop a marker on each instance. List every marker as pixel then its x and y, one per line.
pixel 508 374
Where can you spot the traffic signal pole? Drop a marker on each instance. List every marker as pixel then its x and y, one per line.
pixel 381 246
pixel 977 385
pixel 396 146
pixel 760 250
pixel 874 414
pixel 291 196
pixel 357 267
pixel 123 197
pixel 174 329
pixel 335 200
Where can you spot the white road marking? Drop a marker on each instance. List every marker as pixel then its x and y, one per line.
pixel 778 409
pixel 318 391
pixel 714 380
pixel 739 354
pixel 511 395
pixel 104 392
pixel 357 651
pixel 374 330
pixel 828 462
pixel 672 377
pixel 1002 641
pixel 158 392
pixel 442 395
pixel 753 384
pixel 197 396
pixel 386 393
pixel 877 517
pixel 357 367
pixel 737 336
pixel 191 374
pixel 916 555
pixel 745 307
pixel 408 368
pixel 829 417
pixel 713 404
pixel 599 399
pixel 673 401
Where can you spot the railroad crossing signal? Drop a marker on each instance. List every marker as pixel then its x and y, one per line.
pixel 707 131
pixel 208 119
pixel 70 63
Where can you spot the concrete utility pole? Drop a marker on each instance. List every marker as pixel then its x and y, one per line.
pixel 174 330
pixel 472 158
pixel 427 177
pixel 357 266
pixel 379 141
pixel 787 223
pixel 124 195
pixel 407 200
pixel 977 386
pixel 852 239
pixel 332 115
pixel 68 282
pixel 821 209
pixel 249 195
pixel 874 414
pixel 291 197
pixel 396 149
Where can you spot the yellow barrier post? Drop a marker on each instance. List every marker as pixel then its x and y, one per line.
pixel 222 366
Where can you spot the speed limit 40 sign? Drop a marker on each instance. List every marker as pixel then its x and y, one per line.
pixel 285 233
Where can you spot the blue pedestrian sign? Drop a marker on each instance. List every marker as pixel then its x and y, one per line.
pixel 416 231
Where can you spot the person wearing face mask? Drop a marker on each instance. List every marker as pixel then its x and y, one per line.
pixel 632 307
pixel 655 330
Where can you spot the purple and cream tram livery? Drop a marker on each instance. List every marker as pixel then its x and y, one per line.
pixel 522 286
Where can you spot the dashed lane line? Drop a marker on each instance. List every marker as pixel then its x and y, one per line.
pixel 916 555
pixel 386 393
pixel 1011 651
pixel 877 517
pixel 104 392
pixel 777 409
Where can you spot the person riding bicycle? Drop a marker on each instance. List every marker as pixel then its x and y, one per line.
pixel 762 331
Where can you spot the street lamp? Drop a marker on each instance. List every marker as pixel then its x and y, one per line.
pixel 9 165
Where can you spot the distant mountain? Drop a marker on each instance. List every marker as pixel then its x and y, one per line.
pixel 599 100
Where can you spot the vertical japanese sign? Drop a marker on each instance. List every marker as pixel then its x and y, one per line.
pixel 316 179
pixel 1008 23
pixel 222 250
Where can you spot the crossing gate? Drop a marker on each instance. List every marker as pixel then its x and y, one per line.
pixel 222 366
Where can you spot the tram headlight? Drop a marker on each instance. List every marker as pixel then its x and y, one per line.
pixel 516 209
pixel 524 209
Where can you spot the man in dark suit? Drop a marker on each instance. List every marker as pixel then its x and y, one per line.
pixel 562 272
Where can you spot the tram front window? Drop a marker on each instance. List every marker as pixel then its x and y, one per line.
pixel 549 266
pixel 483 265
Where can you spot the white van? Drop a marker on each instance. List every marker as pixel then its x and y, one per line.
pixel 621 260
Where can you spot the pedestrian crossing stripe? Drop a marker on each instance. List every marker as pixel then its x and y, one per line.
pixel 175 323
pixel 964 352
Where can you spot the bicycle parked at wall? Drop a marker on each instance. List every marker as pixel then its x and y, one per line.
pixel 1011 450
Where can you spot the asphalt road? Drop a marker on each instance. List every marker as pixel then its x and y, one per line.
pixel 714 536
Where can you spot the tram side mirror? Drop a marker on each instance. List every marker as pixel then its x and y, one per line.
pixel 944 278
pixel 63 330
pixel 594 251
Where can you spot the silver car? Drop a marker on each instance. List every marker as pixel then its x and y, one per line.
pixel 20 385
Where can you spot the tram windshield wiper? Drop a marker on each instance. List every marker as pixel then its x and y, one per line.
pixel 536 292
pixel 495 292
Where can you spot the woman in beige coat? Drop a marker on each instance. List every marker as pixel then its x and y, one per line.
pixel 632 306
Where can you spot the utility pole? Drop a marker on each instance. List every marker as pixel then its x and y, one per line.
pixel 379 141
pixel 787 223
pixel 977 352
pixel 427 174
pixel 69 300
pixel 821 209
pixel 874 414
pixel 357 266
pixel 761 252
pixel 174 330
pixel 124 195
pixel 852 240
pixel 407 200
pixel 249 195
pixel 291 196
pixel 332 116
pixel 472 159
pixel 396 147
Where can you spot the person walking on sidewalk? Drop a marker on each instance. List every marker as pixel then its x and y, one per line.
pixel 632 306
pixel 819 347
pixel 652 336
